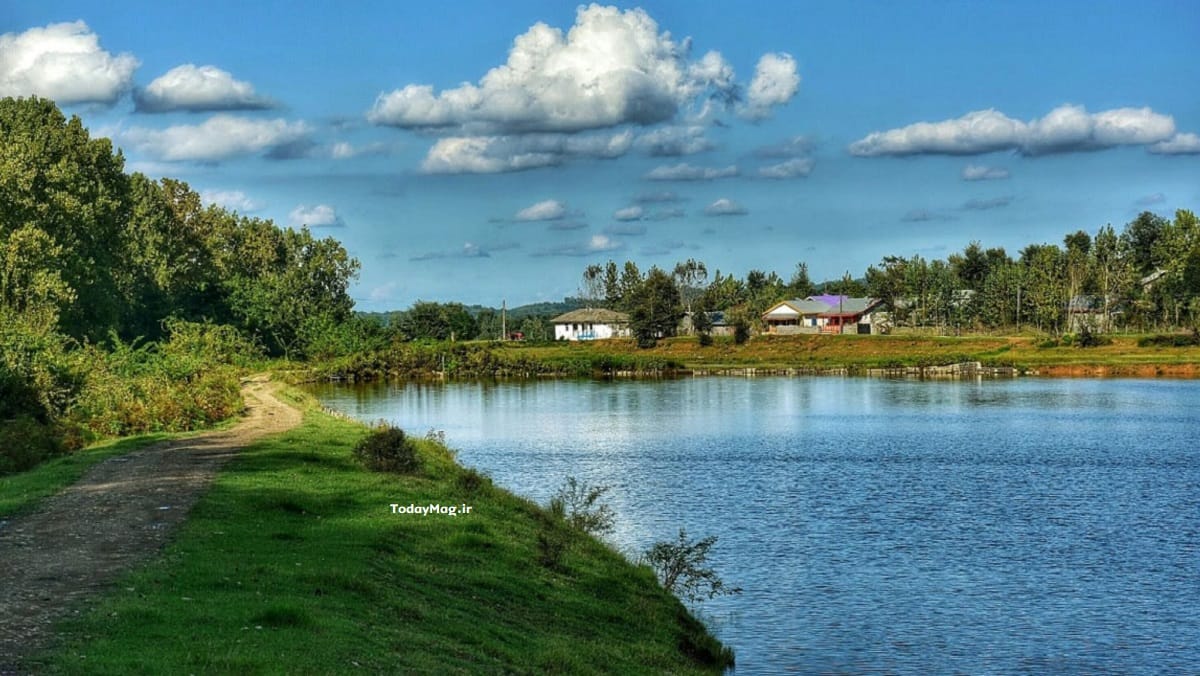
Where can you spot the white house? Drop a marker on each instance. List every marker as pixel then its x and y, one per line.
pixel 589 324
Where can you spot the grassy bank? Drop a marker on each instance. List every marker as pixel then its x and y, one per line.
pixel 1128 355
pixel 295 563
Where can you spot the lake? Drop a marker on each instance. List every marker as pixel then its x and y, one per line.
pixel 877 526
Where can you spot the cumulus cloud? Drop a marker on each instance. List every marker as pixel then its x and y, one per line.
pixel 345 151
pixel 315 216
pixel 1067 128
pixel 986 204
pixel 594 245
pixel 631 213
pixel 611 68
pixel 64 62
pixel 219 138
pixel 674 141
pixel 231 199
pixel 626 229
pixel 546 210
pixel 1179 144
pixel 796 168
pixel 979 172
pixel 687 172
pixel 195 88
pixel 796 146
pixel 725 207
pixel 495 154
pixel 775 83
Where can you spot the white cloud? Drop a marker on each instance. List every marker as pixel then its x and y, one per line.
pixel 1150 200
pixel 495 154
pixel 674 141
pixel 632 213
pixel 344 151
pixel 1179 144
pixel 979 172
pixel 64 62
pixel 725 207
pixel 688 172
pixel 610 68
pixel 775 83
pixel 1067 128
pixel 546 210
pixel 218 138
pixel 231 199
pixel 595 244
pixel 315 216
pixel 796 168
pixel 197 89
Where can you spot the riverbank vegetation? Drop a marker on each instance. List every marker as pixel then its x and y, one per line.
pixel 296 562
pixel 127 305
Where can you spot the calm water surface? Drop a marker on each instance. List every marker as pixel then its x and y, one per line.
pixel 1027 526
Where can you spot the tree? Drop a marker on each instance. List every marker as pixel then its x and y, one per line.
pixel 654 310
pixel 690 276
pixel 681 567
pixel 612 285
pixel 631 279
pixel 593 284
pixel 1045 284
pixel 73 188
pixel 1113 273
pixel 1141 236
pixel 438 321
pixel 800 285
pixel 701 322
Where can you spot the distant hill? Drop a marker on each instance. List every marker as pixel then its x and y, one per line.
pixel 545 309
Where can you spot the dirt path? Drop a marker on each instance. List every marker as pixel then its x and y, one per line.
pixel 118 515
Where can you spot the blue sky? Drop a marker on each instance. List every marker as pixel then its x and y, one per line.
pixel 489 151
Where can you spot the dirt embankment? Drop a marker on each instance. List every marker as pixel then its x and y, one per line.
pixel 118 515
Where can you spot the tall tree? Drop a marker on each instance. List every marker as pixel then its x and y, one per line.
pixel 655 310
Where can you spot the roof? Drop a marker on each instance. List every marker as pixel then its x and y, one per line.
pixel 591 316
pixel 823 305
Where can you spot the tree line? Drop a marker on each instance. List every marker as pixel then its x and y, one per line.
pixel 1146 277
pixel 106 275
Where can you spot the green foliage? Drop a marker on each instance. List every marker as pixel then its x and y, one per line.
pixel 388 449
pixel 654 308
pixel 682 568
pixel 26 442
pixel 438 321
pixel 1171 340
pixel 579 504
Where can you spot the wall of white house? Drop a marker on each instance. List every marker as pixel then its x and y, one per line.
pixel 587 331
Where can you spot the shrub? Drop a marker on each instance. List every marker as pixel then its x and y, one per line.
pixel 387 449
pixel 680 567
pixel 25 442
pixel 579 505
pixel 472 481
pixel 1089 337
pixel 552 538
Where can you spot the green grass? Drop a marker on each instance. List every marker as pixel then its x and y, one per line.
pixel 19 492
pixel 294 563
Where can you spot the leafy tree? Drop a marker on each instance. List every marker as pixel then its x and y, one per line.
pixel 55 178
pixel 1141 236
pixel 654 308
pixel 690 276
pixel 438 321
pixel 593 284
pixel 702 323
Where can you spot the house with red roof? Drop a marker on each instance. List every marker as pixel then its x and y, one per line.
pixel 825 314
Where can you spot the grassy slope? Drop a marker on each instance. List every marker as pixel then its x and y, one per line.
pixel 293 563
pixel 872 351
